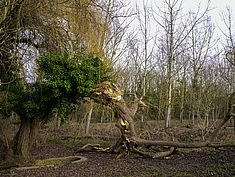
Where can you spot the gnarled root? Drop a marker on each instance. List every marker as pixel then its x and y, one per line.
pixel 155 155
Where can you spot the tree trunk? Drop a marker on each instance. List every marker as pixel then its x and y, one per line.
pixel 234 124
pixel 25 137
pixel 182 98
pixel 122 113
pixel 57 119
pixel 102 115
pixel 168 117
pixel 34 128
pixel 89 118
pixel 160 105
pixel 21 146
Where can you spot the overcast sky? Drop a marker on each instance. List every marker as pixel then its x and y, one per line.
pixel 216 9
pixel 216 6
pixel 219 5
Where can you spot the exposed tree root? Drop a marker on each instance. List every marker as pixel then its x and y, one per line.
pixel 99 137
pixel 93 147
pixel 155 155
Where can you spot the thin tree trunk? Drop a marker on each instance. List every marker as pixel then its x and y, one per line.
pixel 89 119
pixel 182 102
pixel 57 119
pixel 102 115
pixel 193 116
pixel 207 119
pixel 168 117
pixel 213 114
pixel 234 124
pixel 160 105
pixel 182 99
pixel 181 114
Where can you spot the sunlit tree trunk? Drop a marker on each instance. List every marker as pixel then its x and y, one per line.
pixel 182 99
pixel 169 105
pixel 91 106
pixel 170 58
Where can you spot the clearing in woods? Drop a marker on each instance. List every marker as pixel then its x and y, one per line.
pixel 63 142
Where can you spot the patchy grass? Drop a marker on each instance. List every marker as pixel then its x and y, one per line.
pixel 222 169
pixel 57 161
pixel 77 143
pixel 51 162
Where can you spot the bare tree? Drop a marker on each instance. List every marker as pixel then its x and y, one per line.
pixel 229 46
pixel 134 105
pixel 200 44
pixel 176 30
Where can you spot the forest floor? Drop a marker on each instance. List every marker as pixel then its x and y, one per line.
pixel 184 163
pixel 194 163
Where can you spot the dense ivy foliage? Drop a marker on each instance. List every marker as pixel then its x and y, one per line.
pixel 61 81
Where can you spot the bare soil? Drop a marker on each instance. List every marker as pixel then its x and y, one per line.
pixel 198 163
pixel 184 163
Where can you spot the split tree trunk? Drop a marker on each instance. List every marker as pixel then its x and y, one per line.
pixel 21 146
pixel 25 137
pixel 35 125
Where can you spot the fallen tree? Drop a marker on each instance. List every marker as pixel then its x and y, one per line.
pixel 110 95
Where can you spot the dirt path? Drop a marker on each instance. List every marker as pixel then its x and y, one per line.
pixel 195 163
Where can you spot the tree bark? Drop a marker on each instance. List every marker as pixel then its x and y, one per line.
pixel 34 129
pixel 234 124
pixel 89 117
pixel 169 105
pixel 25 137
pixel 21 142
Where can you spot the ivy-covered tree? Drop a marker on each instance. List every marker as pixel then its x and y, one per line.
pixel 61 81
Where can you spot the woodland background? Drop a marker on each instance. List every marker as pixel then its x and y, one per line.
pixel 52 53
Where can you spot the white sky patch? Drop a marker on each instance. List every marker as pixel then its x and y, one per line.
pixel 217 7
pixel 28 55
